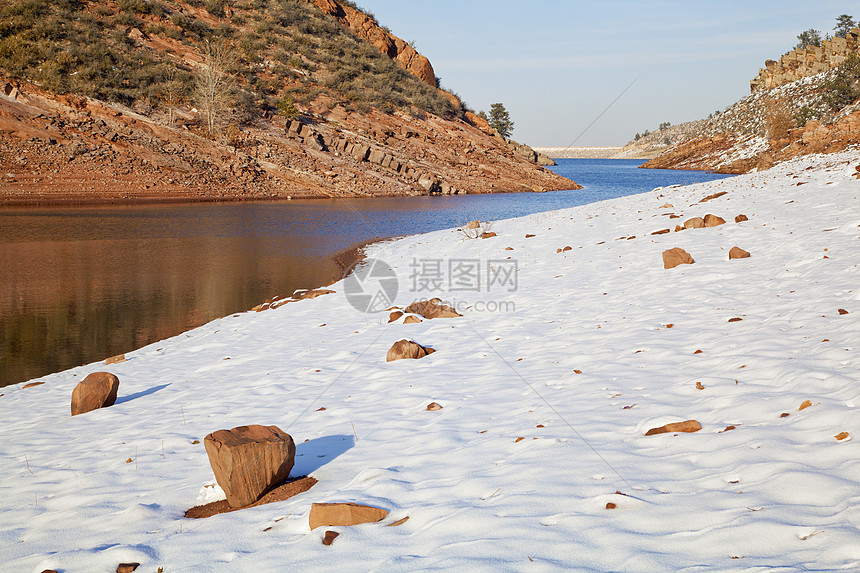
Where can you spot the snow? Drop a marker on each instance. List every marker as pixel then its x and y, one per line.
pixel 85 493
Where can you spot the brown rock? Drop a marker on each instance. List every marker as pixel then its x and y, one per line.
pixel 689 426
pixel 285 491
pixel 713 220
pixel 334 514
pixel 115 359
pixel 433 407
pixel 31 385
pixel 431 309
pixel 714 196
pixel 738 253
pixel 412 319
pixel 735 319
pixel 394 316
pixel 529 236
pixel 610 505
pixel 488 235
pixel 473 225
pixel 842 311
pixel 841 436
pixel 694 223
pixel 330 536
pixel 741 218
pixel 677 256
pixel 127 567
pixel 97 390
pixel 407 349
pixel 661 232
pixel 699 386
pixel 399 522
pixel 304 294
pixel 806 404
pixel 678 228
pixel 248 461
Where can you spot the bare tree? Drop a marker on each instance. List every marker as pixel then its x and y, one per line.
pixel 212 86
pixel 173 94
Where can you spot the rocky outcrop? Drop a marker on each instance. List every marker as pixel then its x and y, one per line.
pixel 806 62
pixel 248 461
pixel 363 26
pixel 97 390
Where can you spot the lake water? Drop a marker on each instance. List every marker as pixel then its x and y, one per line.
pixel 79 284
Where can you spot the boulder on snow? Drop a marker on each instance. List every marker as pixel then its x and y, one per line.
pixel 713 220
pixel 738 253
pixel 741 218
pixel 694 223
pixel 248 461
pixel 688 426
pixel 432 308
pixel 677 256
pixel 344 514
pixel 407 349
pixel 97 390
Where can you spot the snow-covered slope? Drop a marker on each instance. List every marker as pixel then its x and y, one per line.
pixel 580 356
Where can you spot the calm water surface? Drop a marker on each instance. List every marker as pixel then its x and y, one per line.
pixel 78 284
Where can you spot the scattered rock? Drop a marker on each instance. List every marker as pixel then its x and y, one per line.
pixel 433 407
pixel 487 235
pixel 678 228
pixel 394 316
pixel 127 567
pixel 694 223
pixel 741 218
pixel 784 415
pixel 304 294
pixel 529 236
pixel 97 390
pixel 842 311
pixel 249 461
pixel 666 206
pixel 699 386
pixel 283 492
pixel 688 426
pixel 841 436
pixel 412 319
pixel 399 522
pixel 714 196
pixel 610 505
pixel 115 359
pixel 806 404
pixel 738 253
pixel 735 319
pixel 344 514
pixel 31 385
pixel 713 220
pixel 403 349
pixel 677 256
pixel 699 351
pixel 330 536
pixel 431 309
pixel 662 232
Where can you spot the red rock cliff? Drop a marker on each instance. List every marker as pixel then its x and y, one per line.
pixel 363 26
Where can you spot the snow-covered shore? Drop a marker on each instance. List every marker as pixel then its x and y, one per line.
pixel 574 353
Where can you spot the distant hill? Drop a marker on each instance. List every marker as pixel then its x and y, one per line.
pixel 807 102
pixel 105 100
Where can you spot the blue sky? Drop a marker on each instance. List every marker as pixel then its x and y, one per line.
pixel 556 65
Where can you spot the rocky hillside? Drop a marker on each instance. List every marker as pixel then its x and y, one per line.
pixel 171 100
pixel 814 114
